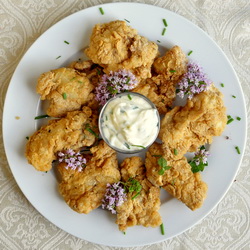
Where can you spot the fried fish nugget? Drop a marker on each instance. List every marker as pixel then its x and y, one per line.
pixel 172 65
pixel 116 46
pixel 186 128
pixel 66 89
pixel 83 191
pixel 60 134
pixel 143 209
pixel 178 180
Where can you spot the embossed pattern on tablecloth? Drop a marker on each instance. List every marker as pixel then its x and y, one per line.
pixel 22 22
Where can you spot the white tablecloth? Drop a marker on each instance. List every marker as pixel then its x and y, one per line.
pixel 227 226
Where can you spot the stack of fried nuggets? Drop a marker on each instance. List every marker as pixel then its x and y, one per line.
pixel 71 96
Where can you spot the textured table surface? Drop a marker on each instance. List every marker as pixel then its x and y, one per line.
pixel 227 22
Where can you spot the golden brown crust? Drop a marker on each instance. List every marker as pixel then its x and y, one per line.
pixel 142 210
pixel 187 128
pixel 66 89
pixel 83 191
pixel 179 180
pixel 60 134
pixel 116 46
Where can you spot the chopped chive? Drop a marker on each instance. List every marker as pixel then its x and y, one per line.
pixel 124 233
pixel 91 131
pixel 165 22
pixel 80 81
pixel 72 79
pixel 237 149
pixel 172 71
pixel 66 42
pixel 27 137
pixel 238 118
pixel 127 80
pixel 139 146
pixel 64 95
pixel 127 146
pixel 58 57
pixel 162 229
pixel 101 11
pixel 222 85
pixel 129 97
pixel 163 32
pixel 158 41
pixel 233 96
pixel 41 116
pixel 190 52
pixel 135 195
pixel 106 117
pixel 98 71
pixel 230 120
pixel 175 151
pixel 127 20
pixel 157 155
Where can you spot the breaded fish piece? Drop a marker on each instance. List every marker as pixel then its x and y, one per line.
pixel 186 128
pixel 66 89
pixel 73 132
pixel 143 209
pixel 172 65
pixel 179 180
pixel 116 46
pixel 160 89
pixel 83 191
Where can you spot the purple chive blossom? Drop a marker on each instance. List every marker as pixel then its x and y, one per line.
pixel 74 160
pixel 114 83
pixel 193 82
pixel 115 196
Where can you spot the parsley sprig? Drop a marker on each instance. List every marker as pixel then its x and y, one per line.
pixel 163 164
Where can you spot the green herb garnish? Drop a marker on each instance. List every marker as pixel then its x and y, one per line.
pixel 162 229
pixel 127 20
pixel 172 70
pixel 163 164
pixel 27 137
pixel 41 116
pixel 66 42
pixel 165 22
pixel 64 95
pixel 89 129
pixel 229 119
pixel 190 52
pixel 222 85
pixel 199 162
pixel 175 151
pixel 233 96
pixel 132 185
pixel 80 82
pixel 238 118
pixel 129 97
pixel 127 146
pixel 158 41
pixel 101 11
pixel 237 149
pixel 163 32
pixel 58 57
pixel 138 146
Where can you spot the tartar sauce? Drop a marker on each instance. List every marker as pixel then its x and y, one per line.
pixel 129 122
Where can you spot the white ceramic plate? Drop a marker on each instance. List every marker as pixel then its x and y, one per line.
pixel 23 102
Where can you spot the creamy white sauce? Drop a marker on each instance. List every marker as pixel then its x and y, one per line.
pixel 129 123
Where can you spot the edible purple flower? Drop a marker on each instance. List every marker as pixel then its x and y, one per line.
pixel 115 196
pixel 199 161
pixel 114 83
pixel 74 160
pixel 193 82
